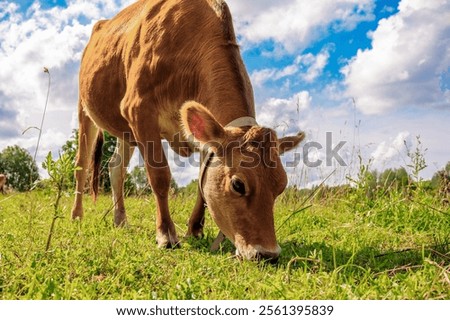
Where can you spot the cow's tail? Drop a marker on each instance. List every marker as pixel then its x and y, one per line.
pixel 96 164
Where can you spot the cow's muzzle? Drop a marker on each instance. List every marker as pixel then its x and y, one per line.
pixel 260 254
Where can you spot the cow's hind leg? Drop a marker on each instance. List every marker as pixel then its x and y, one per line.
pixel 86 142
pixel 117 170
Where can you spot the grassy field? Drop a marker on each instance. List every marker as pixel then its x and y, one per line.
pixel 395 245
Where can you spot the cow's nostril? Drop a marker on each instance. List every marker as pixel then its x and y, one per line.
pixel 273 260
pixel 259 254
pixel 271 257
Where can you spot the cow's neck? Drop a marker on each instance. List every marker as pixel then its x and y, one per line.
pixel 230 91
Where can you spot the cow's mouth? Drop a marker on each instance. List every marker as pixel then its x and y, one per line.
pixel 258 253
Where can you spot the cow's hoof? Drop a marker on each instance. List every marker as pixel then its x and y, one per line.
pixel 167 241
pixel 120 223
pixel 198 234
pixel 77 212
pixel 120 218
pixel 169 245
pixel 77 215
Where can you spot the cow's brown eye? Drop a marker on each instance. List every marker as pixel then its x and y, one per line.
pixel 238 186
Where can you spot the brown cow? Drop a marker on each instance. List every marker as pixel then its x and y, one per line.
pixel 2 183
pixel 137 72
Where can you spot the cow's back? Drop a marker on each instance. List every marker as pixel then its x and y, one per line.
pixel 160 49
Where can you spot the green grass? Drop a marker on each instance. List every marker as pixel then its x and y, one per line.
pixel 344 246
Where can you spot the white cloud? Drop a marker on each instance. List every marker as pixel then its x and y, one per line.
pixel 294 24
pixel 284 114
pixel 53 38
pixel 410 51
pixel 260 77
pixel 7 8
pixel 386 153
pixel 313 65
pixel 307 67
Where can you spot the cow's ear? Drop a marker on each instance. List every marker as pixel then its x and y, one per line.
pixel 199 123
pixel 289 143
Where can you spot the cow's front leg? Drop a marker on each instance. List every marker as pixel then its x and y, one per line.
pixel 197 219
pixel 158 173
pixel 159 177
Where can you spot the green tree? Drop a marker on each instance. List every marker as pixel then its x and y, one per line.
pixel 19 167
pixel 191 188
pixel 394 178
pixel 174 186
pixel 71 146
pixel 441 180
pixel 136 182
pixel 138 178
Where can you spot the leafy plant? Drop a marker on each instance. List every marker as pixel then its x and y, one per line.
pixel 58 172
pixel 365 186
pixel 70 148
pixel 417 158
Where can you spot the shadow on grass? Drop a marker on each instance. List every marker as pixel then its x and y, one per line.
pixel 204 245
pixel 321 257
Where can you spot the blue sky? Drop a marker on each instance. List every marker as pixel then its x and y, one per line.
pixel 374 73
pixel 345 44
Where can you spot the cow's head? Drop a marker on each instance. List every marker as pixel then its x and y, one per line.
pixel 243 178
